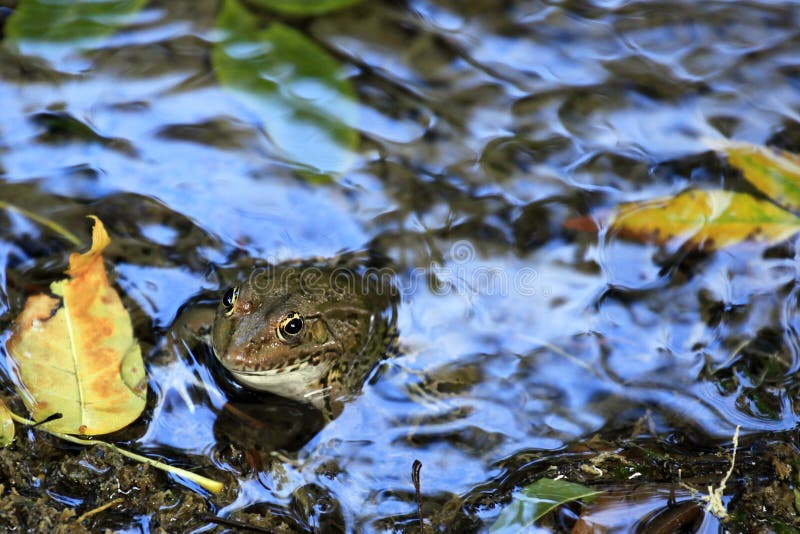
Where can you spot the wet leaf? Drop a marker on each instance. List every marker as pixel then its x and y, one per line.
pixel 773 172
pixel 304 7
pixel 536 500
pixel 685 516
pixel 64 21
pixel 297 91
pixel 6 425
pixel 709 219
pixel 73 352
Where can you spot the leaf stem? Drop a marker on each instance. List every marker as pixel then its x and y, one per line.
pixel 44 221
pixel 213 486
pixel 99 509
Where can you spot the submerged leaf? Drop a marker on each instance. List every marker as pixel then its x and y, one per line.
pixel 7 430
pixel 58 30
pixel 773 172
pixel 299 93
pixel 709 220
pixel 64 21
pixel 536 500
pixel 304 7
pixel 74 352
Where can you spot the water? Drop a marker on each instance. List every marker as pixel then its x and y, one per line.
pixel 481 127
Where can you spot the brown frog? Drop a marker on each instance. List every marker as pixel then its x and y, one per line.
pixel 310 333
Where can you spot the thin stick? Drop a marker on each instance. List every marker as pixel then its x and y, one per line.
pixel 715 504
pixel 95 511
pixel 415 469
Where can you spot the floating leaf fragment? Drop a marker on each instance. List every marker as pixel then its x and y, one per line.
pixel 65 21
pixel 304 7
pixel 773 172
pixel 6 425
pixel 73 352
pixel 299 93
pixel 705 219
pixel 797 500
pixel 536 500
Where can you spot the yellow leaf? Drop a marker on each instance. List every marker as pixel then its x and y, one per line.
pixel 773 172
pixel 74 352
pixel 6 425
pixel 709 220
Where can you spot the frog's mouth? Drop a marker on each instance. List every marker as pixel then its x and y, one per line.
pixel 291 382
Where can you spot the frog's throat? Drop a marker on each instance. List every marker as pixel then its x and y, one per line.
pixel 291 382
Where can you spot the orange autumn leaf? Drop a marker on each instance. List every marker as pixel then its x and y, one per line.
pixel 707 219
pixel 581 223
pixel 73 352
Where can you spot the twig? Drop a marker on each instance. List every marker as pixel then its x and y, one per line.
pixel 415 469
pixel 715 504
pixel 713 500
pixel 49 418
pixel 95 511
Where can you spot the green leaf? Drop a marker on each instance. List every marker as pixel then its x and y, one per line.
pixel 298 92
pixel 536 500
pixel 773 172
pixel 68 20
pixel 304 7
pixel 707 219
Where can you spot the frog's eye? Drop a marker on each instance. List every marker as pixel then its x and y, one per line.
pixel 290 326
pixel 229 299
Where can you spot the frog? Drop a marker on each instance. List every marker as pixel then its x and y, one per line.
pixel 311 332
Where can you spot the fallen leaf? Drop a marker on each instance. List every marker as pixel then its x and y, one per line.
pixel 581 223
pixel 773 172
pixel 685 516
pixel 705 219
pixel 536 500
pixel 73 352
pixel 6 425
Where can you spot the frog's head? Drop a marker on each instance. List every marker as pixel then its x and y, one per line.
pixel 285 328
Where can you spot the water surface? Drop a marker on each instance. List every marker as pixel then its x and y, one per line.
pixel 479 129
